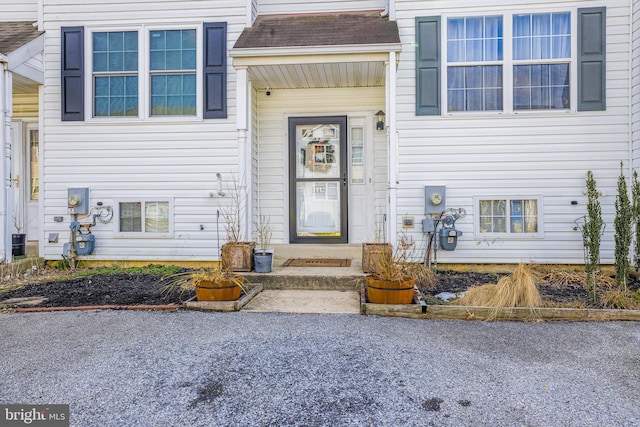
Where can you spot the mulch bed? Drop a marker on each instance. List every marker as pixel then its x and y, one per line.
pixel 146 289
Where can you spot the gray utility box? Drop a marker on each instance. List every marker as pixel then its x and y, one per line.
pixel 78 200
pixel 449 238
pixel 435 199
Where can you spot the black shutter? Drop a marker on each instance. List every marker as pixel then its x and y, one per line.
pixel 215 70
pixel 72 73
pixel 591 59
pixel 428 66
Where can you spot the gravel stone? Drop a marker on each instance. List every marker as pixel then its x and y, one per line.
pixel 120 368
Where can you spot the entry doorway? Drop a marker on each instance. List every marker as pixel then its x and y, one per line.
pixel 318 181
pixel 25 176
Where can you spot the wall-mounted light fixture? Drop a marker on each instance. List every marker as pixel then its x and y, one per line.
pixel 380 120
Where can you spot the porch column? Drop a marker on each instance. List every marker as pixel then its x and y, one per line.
pixel 392 141
pixel 5 166
pixel 244 153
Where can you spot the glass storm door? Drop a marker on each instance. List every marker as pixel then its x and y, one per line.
pixel 318 180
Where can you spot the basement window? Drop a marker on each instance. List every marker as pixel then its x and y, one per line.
pixel 144 218
pixel 509 216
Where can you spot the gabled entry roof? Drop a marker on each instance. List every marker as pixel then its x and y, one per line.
pixel 323 50
pixel 22 44
pixel 16 34
pixel 326 29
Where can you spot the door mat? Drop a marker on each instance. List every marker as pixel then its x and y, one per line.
pixel 317 262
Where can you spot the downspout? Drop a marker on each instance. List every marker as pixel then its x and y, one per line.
pixel 242 127
pixel 630 93
pixel 389 10
pixel 392 139
pixel 5 166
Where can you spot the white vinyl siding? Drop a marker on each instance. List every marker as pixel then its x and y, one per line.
pixel 19 10
pixel 635 85
pixel 266 7
pixel 159 159
pixel 546 153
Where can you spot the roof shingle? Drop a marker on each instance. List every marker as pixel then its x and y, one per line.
pixel 16 34
pixel 326 29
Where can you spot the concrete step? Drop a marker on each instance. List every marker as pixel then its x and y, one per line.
pixel 312 278
pixel 352 251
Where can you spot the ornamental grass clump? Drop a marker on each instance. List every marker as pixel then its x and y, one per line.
pixel 517 290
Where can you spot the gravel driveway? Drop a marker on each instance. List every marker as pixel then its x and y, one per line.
pixel 118 368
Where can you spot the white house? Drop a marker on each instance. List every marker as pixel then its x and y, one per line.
pixel 151 112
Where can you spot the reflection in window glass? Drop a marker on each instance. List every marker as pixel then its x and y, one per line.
pixel 153 219
pixel 115 73
pixel 131 217
pixel 522 215
pixel 173 72
pixel 34 169
pixel 357 155
pixel 475 87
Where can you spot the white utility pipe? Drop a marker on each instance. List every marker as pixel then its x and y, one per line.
pixel 5 164
pixel 392 140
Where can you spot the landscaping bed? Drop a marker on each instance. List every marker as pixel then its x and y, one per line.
pixel 145 287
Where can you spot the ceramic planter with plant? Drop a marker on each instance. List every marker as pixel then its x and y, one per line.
pixel 237 255
pixel 263 255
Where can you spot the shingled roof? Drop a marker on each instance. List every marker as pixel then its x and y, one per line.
pixel 16 34
pixel 326 29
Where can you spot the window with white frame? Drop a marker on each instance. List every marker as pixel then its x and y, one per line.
pixel 474 63
pixel 173 72
pixel 527 56
pixel 145 217
pixel 509 216
pixel 541 61
pixel 115 73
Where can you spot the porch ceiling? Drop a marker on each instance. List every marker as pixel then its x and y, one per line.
pixel 330 50
pixel 340 75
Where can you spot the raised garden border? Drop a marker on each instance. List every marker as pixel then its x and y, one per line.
pixel 457 312
pixel 226 306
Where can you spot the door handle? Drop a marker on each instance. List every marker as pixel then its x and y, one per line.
pixel 344 179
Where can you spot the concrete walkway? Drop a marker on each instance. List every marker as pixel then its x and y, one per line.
pixel 305 301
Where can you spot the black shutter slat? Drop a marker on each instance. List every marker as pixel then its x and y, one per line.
pixel 72 73
pixel 215 70
pixel 592 59
pixel 428 66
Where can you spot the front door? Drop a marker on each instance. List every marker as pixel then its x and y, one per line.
pixel 318 180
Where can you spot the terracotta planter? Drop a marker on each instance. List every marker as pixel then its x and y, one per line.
pixel 372 252
pixel 385 292
pixel 238 256
pixel 226 290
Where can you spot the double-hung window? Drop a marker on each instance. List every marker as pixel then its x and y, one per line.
pixel 115 73
pixel 541 61
pixel 474 63
pixel 173 72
